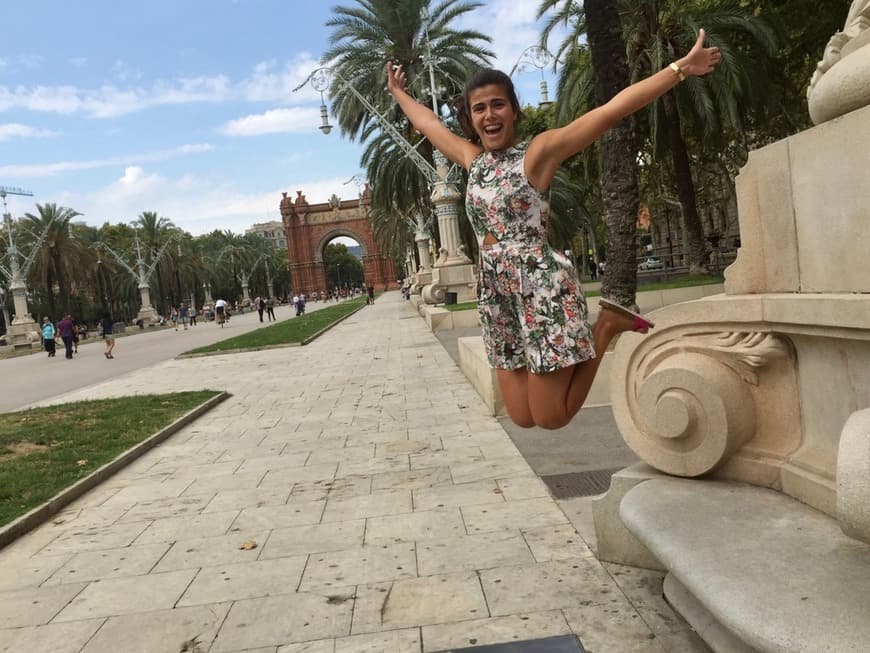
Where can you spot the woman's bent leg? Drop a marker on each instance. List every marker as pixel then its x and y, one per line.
pixel 555 397
pixel 514 387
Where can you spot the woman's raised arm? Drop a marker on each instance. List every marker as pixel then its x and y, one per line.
pixel 549 149
pixel 454 147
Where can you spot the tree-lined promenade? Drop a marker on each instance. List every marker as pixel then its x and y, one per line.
pixel 670 168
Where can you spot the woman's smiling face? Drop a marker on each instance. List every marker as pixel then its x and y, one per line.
pixel 493 116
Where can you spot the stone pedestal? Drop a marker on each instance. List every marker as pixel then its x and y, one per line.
pixel 147 312
pixel 23 333
pixel 453 271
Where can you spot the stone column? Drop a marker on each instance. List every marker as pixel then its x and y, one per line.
pixel 146 313
pixel 423 276
pixel 23 332
pixel 453 271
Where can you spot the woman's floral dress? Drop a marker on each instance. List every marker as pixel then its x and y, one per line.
pixel 531 306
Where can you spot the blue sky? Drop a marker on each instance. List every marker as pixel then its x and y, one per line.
pixel 184 107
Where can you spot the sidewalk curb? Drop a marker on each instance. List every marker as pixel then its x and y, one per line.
pixel 302 343
pixel 244 350
pixel 41 514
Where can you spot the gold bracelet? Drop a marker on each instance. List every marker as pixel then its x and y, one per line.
pixel 677 70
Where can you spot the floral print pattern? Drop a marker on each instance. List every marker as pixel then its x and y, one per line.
pixel 531 305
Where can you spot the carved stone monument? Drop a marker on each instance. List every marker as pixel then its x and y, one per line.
pixel 762 395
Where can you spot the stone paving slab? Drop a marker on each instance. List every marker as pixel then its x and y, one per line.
pixel 350 496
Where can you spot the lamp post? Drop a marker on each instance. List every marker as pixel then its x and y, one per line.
pixel 23 331
pixel 535 56
pixel 142 274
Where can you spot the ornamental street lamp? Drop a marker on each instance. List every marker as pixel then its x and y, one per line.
pixel 23 331
pixel 142 274
pixel 535 56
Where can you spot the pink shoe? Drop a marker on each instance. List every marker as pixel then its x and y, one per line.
pixel 641 324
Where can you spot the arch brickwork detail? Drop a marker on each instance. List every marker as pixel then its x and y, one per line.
pixel 310 227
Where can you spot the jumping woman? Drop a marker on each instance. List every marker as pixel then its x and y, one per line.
pixel 531 306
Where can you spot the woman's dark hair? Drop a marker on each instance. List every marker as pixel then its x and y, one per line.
pixel 484 77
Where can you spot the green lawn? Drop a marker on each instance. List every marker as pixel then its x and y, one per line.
pixel 45 450
pixel 684 282
pixel 295 331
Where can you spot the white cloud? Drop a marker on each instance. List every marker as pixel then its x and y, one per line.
pixel 216 205
pixel 16 130
pixel 50 169
pixel 275 121
pixel 110 101
pixel 269 83
pixel 79 62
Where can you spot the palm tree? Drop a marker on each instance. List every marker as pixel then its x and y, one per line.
pixel 60 255
pixel 363 37
pixel 712 109
pixel 708 110
pixel 155 232
pixel 619 191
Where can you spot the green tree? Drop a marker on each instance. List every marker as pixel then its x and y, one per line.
pixel 706 111
pixel 342 268
pixel 60 255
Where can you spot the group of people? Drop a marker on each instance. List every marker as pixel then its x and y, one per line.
pixel 70 333
pixel 183 315
pixel 264 305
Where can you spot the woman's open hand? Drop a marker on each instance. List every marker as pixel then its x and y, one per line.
pixel 395 78
pixel 700 60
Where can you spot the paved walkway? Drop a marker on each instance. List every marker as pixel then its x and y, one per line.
pixel 351 496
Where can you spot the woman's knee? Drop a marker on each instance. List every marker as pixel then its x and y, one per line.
pixel 550 420
pixel 523 419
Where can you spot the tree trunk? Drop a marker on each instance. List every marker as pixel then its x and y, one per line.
pixel 61 284
pixel 696 251
pixel 620 200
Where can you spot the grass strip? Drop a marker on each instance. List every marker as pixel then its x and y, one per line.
pixel 45 450
pixel 298 330
pixel 684 282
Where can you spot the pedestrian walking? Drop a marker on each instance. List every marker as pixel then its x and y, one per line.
pixel 260 305
pixel 108 337
pixel 49 333
pixel 66 329
pixel 192 316
pixel 532 309
pixel 270 308
pixel 173 317
pixel 371 295
pixel 182 314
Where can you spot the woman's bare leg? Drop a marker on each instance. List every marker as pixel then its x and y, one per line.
pixel 555 397
pixel 514 385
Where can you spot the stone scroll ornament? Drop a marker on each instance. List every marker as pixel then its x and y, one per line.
pixel 689 401
pixel 841 82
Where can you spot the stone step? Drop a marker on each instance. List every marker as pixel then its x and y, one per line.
pixel 752 569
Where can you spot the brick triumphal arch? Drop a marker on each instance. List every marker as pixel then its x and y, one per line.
pixel 310 227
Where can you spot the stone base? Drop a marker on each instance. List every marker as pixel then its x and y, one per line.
pixel 440 319
pixel 615 542
pixel 23 335
pixel 475 366
pixel 771 573
pixel 148 315
pixel 459 279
